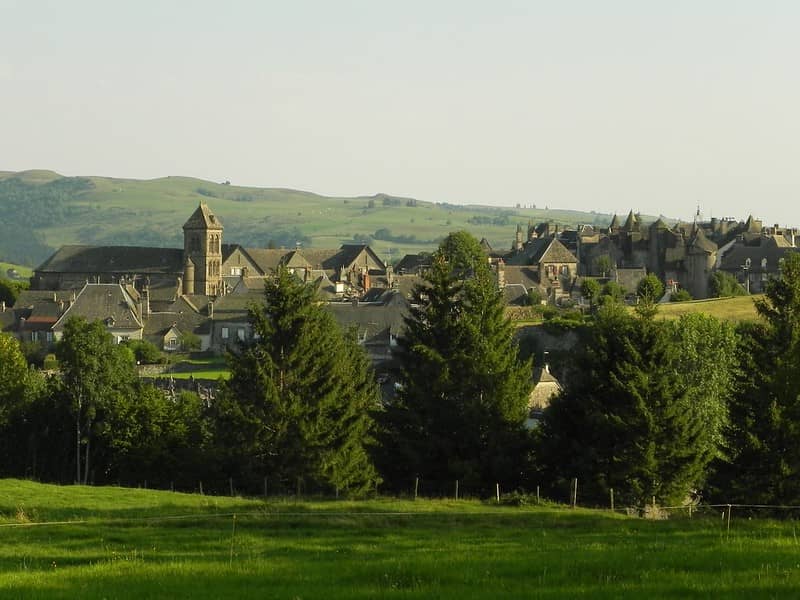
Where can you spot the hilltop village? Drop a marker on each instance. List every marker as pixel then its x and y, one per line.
pixel 204 289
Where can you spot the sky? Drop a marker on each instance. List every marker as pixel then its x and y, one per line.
pixel 603 105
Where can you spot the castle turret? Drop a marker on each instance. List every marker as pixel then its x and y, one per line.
pixel 188 277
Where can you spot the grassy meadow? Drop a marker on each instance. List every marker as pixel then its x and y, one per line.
pixel 24 272
pixel 68 542
pixel 739 308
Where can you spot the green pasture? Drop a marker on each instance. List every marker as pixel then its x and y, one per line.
pixel 115 207
pixel 210 367
pixel 133 543
pixel 739 308
pixel 24 272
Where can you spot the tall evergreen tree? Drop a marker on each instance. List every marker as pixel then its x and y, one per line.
pixel 764 464
pixel 300 400
pixel 462 405
pixel 626 419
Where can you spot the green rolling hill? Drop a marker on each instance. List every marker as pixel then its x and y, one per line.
pixel 42 210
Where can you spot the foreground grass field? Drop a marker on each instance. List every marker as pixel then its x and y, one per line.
pixel 124 543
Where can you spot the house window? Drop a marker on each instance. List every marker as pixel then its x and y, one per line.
pixel 225 333
pixel 240 334
pixel 34 336
pixel 236 270
pixel 173 342
pixel 49 336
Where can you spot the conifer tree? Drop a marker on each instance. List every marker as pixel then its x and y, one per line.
pixel 299 403
pixel 463 402
pixel 626 420
pixel 764 464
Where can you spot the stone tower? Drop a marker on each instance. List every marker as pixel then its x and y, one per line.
pixel 202 247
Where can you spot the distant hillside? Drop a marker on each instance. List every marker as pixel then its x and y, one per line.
pixel 42 210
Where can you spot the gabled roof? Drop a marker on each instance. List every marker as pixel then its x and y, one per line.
pixel 203 218
pixel 180 314
pixel 114 259
pixel 542 250
pixel 614 222
pixel 103 302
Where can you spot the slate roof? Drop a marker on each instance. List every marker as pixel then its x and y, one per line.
pixel 412 264
pixel 102 301
pixel 114 259
pixel 527 276
pixel 371 319
pixel 266 259
pixel 203 218
pixel 701 243
pixel 542 250
pixel 545 387
pixel 737 256
pixel 181 314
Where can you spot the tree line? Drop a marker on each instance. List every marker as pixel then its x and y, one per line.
pixel 649 407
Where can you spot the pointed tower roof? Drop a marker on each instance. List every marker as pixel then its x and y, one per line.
pixel 750 225
pixel 701 242
pixel 203 218
pixel 614 222
pixel 631 223
pixel 660 224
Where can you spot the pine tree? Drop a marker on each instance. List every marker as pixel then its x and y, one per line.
pixel 463 402
pixel 299 403
pixel 625 420
pixel 764 465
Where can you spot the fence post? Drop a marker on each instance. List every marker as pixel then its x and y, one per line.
pixel 201 488
pixel 416 487
pixel 497 492
pixel 456 489
pixel 729 518
pixel 690 510
pixel 574 492
pixel 230 484
pixel 612 499
pixel 537 495
pixel 171 486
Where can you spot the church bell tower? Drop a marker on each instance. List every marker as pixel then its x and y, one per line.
pixel 202 248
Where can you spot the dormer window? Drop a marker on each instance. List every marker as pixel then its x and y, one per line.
pixel 763 263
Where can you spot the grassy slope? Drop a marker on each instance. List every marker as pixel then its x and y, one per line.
pixel 163 205
pixel 740 308
pixel 125 548
pixel 23 271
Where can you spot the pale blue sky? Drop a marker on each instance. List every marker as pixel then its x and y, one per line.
pixel 606 105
